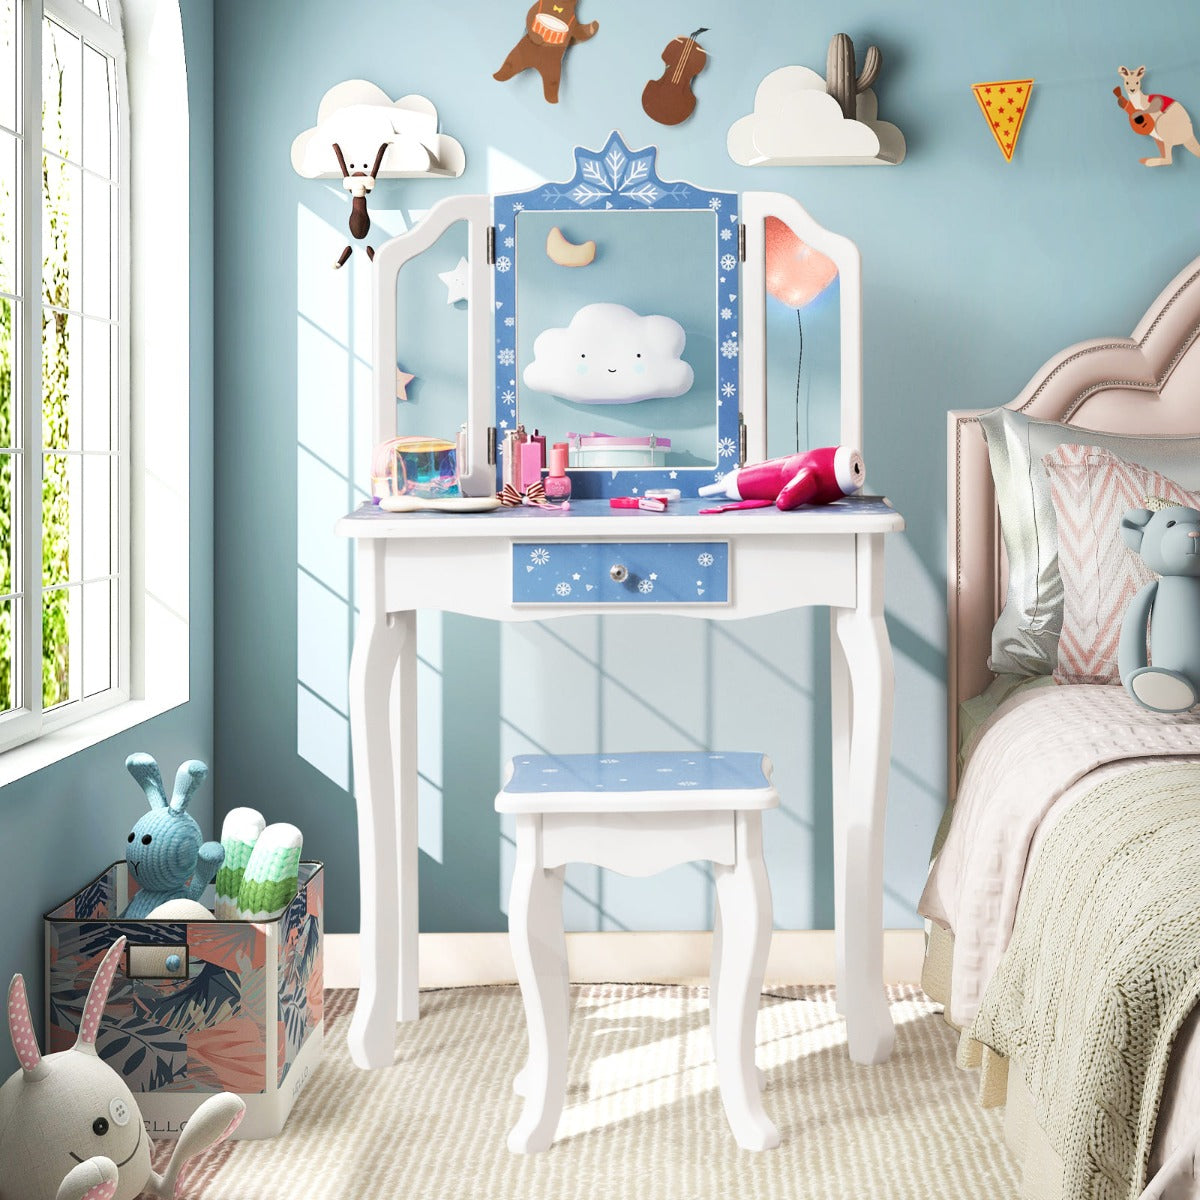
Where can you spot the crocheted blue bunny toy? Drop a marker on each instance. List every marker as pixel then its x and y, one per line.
pixel 167 854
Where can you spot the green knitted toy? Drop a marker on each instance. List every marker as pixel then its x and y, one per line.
pixel 271 877
pixel 241 829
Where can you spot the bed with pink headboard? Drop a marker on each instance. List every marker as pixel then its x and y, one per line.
pixel 1146 385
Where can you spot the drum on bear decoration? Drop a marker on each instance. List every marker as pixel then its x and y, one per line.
pixel 550 29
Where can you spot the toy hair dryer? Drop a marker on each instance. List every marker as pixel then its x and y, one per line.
pixel 815 477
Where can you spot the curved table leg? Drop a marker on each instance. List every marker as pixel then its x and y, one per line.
pixel 539 948
pixel 380 643
pixel 840 715
pixel 864 640
pixel 744 896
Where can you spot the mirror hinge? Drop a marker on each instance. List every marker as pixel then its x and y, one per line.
pixel 491 445
pixel 741 441
pixel 742 242
pixel 491 245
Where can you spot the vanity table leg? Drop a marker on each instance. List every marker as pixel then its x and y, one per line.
pixel 407 852
pixel 378 645
pixel 840 714
pixel 864 640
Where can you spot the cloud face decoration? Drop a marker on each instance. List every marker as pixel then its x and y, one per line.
pixel 609 354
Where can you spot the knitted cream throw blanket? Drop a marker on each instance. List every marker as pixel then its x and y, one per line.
pixel 1103 967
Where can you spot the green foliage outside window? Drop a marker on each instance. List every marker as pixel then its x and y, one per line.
pixel 55 431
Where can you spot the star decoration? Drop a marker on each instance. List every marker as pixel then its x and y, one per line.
pixel 403 379
pixel 457 281
pixel 653 574
pixel 575 576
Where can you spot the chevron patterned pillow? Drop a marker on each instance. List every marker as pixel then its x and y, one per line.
pixel 1090 489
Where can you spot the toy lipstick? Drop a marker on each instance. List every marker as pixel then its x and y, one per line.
pixel 645 503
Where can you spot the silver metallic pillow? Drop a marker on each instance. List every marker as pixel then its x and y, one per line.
pixel 1025 638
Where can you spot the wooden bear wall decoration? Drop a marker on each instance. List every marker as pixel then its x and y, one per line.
pixel 550 28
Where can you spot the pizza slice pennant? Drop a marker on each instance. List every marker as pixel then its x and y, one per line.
pixel 1003 103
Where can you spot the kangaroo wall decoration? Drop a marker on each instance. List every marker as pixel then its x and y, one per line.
pixel 1165 121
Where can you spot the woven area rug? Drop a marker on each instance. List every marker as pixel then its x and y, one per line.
pixel 643 1116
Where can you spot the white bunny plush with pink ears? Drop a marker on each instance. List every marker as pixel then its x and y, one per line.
pixel 69 1127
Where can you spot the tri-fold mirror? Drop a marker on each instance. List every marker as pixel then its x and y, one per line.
pixel 628 317
pixel 617 310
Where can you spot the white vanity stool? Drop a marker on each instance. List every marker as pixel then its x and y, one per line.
pixel 639 814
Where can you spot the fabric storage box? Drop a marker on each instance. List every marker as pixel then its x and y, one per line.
pixel 243 1011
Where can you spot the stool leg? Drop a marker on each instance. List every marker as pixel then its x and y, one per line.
pixel 539 949
pixel 744 896
pixel 714 975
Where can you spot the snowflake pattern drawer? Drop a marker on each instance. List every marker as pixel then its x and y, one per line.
pixel 620 573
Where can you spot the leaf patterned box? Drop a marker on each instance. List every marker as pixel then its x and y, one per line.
pixel 244 1013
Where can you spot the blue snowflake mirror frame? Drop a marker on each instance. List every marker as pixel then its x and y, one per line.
pixel 663 249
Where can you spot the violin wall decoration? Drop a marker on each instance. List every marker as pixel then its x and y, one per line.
pixel 670 100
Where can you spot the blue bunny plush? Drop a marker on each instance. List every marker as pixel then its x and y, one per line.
pixel 167 854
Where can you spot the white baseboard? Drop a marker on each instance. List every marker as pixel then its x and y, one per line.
pixel 471 959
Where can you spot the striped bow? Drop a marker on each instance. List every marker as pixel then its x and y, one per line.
pixel 535 496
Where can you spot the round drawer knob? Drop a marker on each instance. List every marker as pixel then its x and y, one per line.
pixel 618 572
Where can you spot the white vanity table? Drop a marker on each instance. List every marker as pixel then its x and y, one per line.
pixel 526 563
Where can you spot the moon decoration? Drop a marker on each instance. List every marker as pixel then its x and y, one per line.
pixel 568 254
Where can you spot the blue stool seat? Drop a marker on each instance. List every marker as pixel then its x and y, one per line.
pixel 654 781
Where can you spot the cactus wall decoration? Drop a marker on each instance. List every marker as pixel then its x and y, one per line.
pixel 841 82
pixel 800 118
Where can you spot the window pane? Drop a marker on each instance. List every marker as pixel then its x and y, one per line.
pixel 8 654
pixel 60 618
pixel 10 61
pixel 8 371
pixel 97 386
pixel 98 112
pixel 97 637
pixel 61 376
pixel 97 514
pixel 62 228
pixel 62 72
pixel 8 516
pixel 97 247
pixel 8 211
pixel 62 519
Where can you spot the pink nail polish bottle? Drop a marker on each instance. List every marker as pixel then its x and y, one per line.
pixel 558 482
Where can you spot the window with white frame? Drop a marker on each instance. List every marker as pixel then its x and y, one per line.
pixel 64 337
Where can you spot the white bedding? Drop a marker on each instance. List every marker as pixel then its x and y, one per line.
pixel 1039 752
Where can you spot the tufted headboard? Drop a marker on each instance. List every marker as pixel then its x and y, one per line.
pixel 1145 384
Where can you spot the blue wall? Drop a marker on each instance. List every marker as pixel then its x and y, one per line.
pixel 64 824
pixel 975 271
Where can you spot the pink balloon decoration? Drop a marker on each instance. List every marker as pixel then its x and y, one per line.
pixel 796 273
